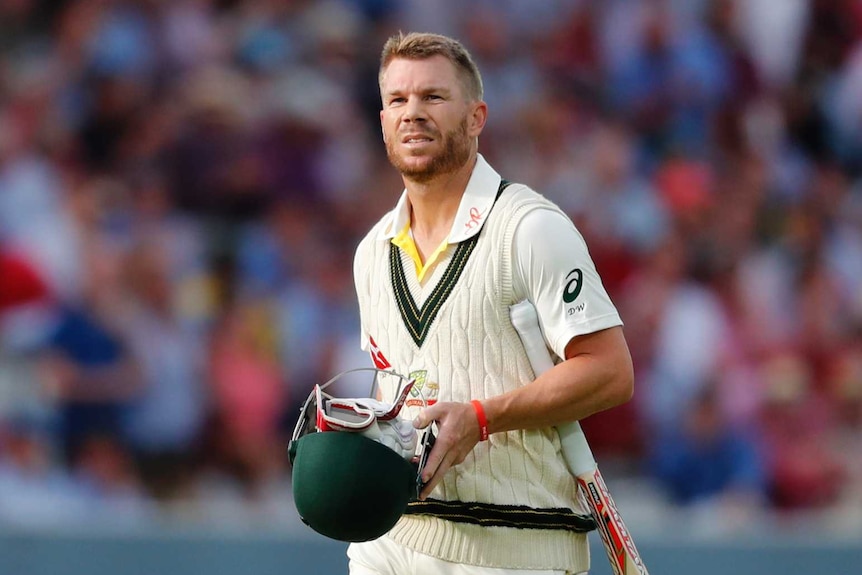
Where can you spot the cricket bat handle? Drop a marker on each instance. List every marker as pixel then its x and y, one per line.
pixel 619 546
pixel 576 450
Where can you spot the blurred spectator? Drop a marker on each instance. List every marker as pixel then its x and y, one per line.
pixel 90 371
pixel 845 389
pixel 703 458
pixel 625 208
pixel 106 473
pixel 804 470
pixel 249 397
pixel 189 32
pixel 689 340
pixel 773 36
pixel 212 168
pixel 34 491
pixel 166 415
pixel 35 220
pixel 313 316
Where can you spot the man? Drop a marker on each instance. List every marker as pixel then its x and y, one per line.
pixel 435 279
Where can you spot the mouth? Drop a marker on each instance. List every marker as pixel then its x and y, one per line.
pixel 416 139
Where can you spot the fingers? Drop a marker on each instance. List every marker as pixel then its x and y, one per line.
pixel 457 436
pixel 443 457
pixel 424 419
pixel 434 475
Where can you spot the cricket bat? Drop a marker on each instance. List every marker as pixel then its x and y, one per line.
pixel 615 536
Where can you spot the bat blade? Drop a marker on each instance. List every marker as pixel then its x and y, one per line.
pixel 616 539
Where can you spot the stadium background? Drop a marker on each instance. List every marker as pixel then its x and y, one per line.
pixel 182 184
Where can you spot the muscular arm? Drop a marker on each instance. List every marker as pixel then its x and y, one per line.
pixel 596 375
pixel 597 372
pixel 553 269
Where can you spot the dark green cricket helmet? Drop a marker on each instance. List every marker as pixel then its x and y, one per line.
pixel 349 487
pixel 346 485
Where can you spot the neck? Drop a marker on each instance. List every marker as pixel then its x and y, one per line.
pixel 434 203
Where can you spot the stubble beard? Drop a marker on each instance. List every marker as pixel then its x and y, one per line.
pixel 455 154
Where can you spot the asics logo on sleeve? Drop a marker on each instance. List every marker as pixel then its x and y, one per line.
pixel 574 283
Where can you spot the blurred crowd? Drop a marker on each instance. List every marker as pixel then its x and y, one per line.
pixel 182 185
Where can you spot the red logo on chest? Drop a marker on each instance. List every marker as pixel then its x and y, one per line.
pixel 377 356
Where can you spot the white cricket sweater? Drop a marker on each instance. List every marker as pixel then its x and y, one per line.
pixel 463 341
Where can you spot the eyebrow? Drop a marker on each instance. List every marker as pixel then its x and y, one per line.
pixel 429 90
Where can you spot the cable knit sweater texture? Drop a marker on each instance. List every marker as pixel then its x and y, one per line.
pixel 468 346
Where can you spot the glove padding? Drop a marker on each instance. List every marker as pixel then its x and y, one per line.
pixel 370 417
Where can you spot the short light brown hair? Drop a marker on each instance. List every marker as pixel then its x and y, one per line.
pixel 420 46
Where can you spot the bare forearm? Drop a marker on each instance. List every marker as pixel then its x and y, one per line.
pixel 570 391
pixel 597 375
pixel 588 382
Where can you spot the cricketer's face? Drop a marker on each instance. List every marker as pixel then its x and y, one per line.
pixel 429 125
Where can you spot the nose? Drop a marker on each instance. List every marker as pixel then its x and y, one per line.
pixel 414 111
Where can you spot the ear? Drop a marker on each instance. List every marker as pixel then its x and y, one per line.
pixel 382 129
pixel 478 117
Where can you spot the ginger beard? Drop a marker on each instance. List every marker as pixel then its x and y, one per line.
pixel 456 152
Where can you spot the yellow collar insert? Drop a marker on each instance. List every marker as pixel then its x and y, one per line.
pixel 404 240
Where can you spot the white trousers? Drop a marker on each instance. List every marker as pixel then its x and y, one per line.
pixel 385 557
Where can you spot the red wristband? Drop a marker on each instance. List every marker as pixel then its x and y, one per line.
pixel 483 421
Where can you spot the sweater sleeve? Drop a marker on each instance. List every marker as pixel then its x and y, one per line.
pixel 552 267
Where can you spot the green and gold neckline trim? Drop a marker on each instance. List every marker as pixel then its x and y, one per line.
pixel 418 320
